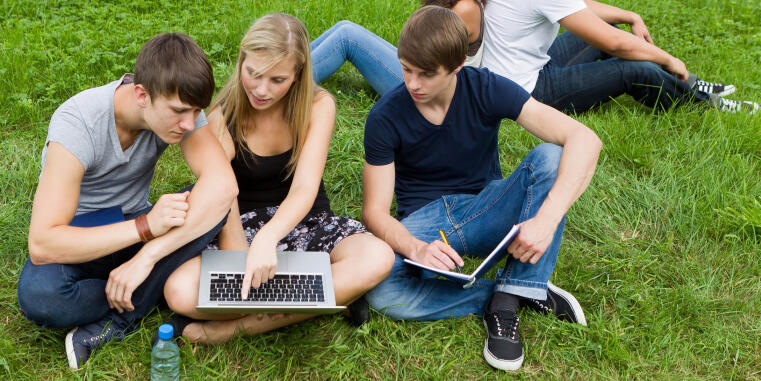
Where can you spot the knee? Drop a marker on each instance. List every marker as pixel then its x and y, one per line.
pixel 347 26
pixel 383 260
pixel 39 300
pixel 178 296
pixel 545 160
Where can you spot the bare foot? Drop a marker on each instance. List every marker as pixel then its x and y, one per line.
pixel 211 332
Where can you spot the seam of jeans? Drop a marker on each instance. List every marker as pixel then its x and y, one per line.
pixel 575 57
pixel 524 214
pixel 369 53
pixel 448 208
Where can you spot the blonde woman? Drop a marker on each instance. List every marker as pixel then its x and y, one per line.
pixel 275 126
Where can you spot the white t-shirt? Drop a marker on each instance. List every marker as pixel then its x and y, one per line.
pixel 519 33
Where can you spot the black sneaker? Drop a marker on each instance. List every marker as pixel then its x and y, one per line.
pixel 719 89
pixel 82 341
pixel 359 312
pixel 502 348
pixel 559 302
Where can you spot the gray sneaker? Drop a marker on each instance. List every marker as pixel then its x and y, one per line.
pixel 719 89
pixel 82 341
pixel 730 105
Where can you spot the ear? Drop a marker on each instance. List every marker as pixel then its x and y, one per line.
pixel 457 69
pixel 141 96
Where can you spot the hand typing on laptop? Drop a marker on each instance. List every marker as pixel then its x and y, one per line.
pixel 261 263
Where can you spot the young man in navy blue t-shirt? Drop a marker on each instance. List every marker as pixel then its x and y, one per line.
pixel 433 142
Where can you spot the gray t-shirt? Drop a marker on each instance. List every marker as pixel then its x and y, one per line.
pixel 85 126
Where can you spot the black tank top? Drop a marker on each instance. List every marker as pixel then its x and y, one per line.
pixel 261 181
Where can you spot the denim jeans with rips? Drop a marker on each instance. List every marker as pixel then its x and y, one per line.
pixel 475 223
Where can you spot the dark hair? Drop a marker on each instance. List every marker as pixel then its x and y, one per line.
pixel 434 36
pixel 172 63
pixel 446 3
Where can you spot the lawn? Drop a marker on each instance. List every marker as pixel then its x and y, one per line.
pixel 662 250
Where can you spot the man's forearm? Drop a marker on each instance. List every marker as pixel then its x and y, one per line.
pixel 611 14
pixel 70 244
pixel 208 203
pixel 577 166
pixel 389 229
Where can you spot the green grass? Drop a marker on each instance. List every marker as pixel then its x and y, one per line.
pixel 662 250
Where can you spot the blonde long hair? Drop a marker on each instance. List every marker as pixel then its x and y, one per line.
pixel 278 36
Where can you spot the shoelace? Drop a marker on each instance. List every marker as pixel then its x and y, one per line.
pixel 504 322
pixel 707 86
pixel 540 305
pixel 95 340
pixel 734 106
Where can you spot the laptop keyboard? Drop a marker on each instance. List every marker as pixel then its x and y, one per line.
pixel 285 288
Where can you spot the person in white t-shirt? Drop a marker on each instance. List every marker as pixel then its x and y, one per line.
pixel 593 61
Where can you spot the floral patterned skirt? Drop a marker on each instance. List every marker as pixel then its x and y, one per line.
pixel 318 231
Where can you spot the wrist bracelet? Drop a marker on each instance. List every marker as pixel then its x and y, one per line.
pixel 143 229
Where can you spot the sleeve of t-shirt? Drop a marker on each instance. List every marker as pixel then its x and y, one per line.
pixel 68 129
pixel 555 10
pixel 501 98
pixel 380 140
pixel 198 123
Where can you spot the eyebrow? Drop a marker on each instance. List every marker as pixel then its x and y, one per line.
pixel 182 108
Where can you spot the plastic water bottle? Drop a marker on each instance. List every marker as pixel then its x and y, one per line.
pixel 165 356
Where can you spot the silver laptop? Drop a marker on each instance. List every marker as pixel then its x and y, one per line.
pixel 303 283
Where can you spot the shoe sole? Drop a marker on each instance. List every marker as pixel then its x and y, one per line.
pixel 70 354
pixel 578 312
pixel 497 363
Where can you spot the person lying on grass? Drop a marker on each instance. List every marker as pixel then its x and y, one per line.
pixel 275 126
pixel 593 61
pixel 432 140
pixel 517 40
pixel 97 164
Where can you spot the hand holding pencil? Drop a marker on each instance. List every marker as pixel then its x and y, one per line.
pixel 436 254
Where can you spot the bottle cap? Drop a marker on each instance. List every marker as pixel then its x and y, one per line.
pixel 166 331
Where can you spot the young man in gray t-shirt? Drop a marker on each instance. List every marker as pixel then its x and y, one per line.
pixel 99 252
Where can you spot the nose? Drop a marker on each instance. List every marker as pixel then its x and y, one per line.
pixel 260 91
pixel 414 82
pixel 187 123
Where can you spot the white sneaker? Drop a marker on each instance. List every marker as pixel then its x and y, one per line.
pixel 729 105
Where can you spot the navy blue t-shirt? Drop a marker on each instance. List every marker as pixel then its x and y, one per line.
pixel 458 156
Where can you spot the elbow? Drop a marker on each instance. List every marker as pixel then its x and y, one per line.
pixel 227 193
pixel 37 254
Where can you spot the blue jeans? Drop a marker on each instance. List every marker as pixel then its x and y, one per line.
pixel 373 56
pixel 474 224
pixel 70 295
pixel 579 77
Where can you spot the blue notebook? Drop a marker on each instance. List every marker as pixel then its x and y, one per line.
pixel 101 217
pixel 492 259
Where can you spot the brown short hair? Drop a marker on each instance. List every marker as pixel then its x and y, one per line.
pixel 432 37
pixel 446 3
pixel 172 63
